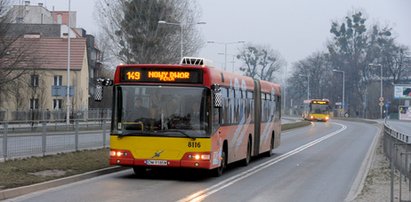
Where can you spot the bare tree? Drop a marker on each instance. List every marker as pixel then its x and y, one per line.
pixel 260 61
pixel 135 36
pixel 316 69
pixel 395 59
pixel 17 54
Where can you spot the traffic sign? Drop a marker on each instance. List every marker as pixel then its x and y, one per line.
pixel 381 104
pixel 381 99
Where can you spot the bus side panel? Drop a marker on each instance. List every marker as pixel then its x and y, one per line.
pixel 237 134
pixel 237 139
pixel 271 109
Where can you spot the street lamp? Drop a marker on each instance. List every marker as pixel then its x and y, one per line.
pixel 381 97
pixel 308 84
pixel 225 49
pixel 181 32
pixel 232 61
pixel 343 90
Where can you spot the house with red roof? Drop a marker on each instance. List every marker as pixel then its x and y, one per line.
pixel 43 86
pixel 46 76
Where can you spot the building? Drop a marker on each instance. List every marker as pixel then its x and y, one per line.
pixel 38 14
pixel 44 84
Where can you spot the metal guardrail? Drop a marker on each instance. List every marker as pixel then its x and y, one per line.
pixel 405 138
pixel 52 115
pixel 19 140
pixel 397 147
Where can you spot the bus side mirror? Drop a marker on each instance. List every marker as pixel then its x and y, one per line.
pixel 101 82
pixel 218 97
pixel 218 100
pixel 98 93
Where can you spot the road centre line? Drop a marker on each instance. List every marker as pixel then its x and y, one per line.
pixel 201 195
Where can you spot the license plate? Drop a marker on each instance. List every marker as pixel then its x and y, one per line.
pixel 156 162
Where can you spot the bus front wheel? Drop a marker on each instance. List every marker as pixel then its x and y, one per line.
pixel 219 171
pixel 139 171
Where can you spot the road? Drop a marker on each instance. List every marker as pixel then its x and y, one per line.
pixel 403 127
pixel 318 163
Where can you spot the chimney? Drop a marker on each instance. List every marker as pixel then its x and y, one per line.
pixel 27 3
pixel 41 4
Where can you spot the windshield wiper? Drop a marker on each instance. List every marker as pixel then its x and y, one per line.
pixel 139 132
pixel 136 132
pixel 181 132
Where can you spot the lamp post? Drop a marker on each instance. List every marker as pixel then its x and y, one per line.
pixel 285 89
pixel 343 90
pixel 68 65
pixel 308 84
pixel 233 61
pixel 225 49
pixel 181 32
pixel 381 94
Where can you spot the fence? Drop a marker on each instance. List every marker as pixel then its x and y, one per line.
pixel 53 115
pixel 25 139
pixel 397 147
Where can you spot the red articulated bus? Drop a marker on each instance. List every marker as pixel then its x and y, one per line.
pixel 191 115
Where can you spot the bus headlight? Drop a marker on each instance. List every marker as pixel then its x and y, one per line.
pixel 118 153
pixel 199 156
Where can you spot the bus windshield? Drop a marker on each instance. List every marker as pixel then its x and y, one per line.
pixel 161 111
pixel 319 109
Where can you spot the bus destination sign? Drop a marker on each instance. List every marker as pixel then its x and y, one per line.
pixel 320 102
pixel 161 75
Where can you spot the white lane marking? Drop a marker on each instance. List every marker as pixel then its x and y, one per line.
pixel 201 195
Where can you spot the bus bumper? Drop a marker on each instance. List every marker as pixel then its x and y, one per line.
pixel 189 160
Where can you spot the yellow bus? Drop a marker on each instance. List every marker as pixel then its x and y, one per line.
pixel 191 116
pixel 316 110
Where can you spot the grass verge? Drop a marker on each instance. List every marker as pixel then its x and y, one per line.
pixel 21 172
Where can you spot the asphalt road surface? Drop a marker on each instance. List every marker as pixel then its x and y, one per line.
pixel 403 127
pixel 317 163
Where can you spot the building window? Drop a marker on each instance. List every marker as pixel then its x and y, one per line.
pixel 34 103
pixel 57 103
pixel 58 80
pixel 59 19
pixel 34 80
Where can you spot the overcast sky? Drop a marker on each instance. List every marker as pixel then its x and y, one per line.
pixel 295 28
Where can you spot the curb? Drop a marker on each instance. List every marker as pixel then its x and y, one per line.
pixel 15 192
